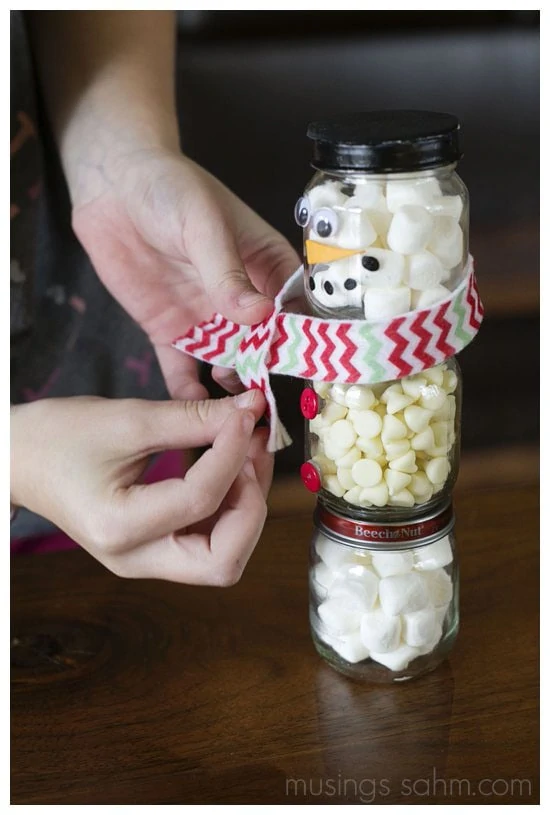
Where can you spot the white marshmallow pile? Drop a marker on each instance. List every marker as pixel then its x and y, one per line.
pixel 387 606
pixel 386 445
pixel 409 237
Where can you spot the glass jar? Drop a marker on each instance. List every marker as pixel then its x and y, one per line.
pixel 385 220
pixel 383 599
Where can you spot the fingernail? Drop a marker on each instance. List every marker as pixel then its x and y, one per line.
pixel 244 400
pixel 248 421
pixel 250 298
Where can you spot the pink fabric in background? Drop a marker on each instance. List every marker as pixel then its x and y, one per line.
pixel 168 465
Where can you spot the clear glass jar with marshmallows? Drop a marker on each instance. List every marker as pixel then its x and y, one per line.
pixel 385 220
pixel 383 599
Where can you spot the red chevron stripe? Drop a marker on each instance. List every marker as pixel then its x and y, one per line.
pixel 351 348
pixel 209 331
pixel 255 338
pixel 396 358
pixel 445 328
pixel 417 327
pixel 221 345
pixel 308 355
pixel 193 330
pixel 282 337
pixel 329 349
pixel 470 299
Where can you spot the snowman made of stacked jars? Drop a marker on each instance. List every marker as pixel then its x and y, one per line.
pixel 385 222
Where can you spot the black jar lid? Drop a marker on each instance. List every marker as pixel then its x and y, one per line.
pixel 389 141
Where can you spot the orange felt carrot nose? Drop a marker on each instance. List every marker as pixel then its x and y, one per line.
pixel 322 253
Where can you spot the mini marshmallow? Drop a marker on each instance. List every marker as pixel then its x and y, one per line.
pixel 405 463
pixel 377 495
pixel 322 577
pixel 379 268
pixel 405 498
pixel 419 192
pixel 448 205
pixel 349 646
pixel 396 660
pixel 433 397
pixel 380 633
pixel 397 402
pixel 417 418
pixel 392 429
pixel 326 195
pixel 390 563
pixel 342 434
pixel 367 424
pixel 345 478
pixel 336 286
pixel 446 241
pixel 331 483
pixel 368 196
pixel 372 448
pixel 420 628
pixel 355 229
pixel 403 593
pixel 366 473
pixel 429 647
pixel 437 470
pixel 382 304
pixel 441 613
pixel 359 397
pixel 322 389
pixel 424 271
pixel 356 595
pixel 439 587
pixel 332 412
pixel 434 555
pixel 396 449
pixel 413 385
pixel 423 440
pixel 338 393
pixel 336 619
pixel 325 464
pixel 396 481
pixel 349 459
pixel 429 297
pixel 410 230
pixel 334 555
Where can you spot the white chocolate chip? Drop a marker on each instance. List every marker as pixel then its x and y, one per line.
pixel 338 393
pixel 396 481
pixel 332 412
pixel 398 401
pixel 353 496
pixel 405 463
pixel 392 429
pixel 377 495
pixel 437 470
pixel 367 424
pixel 417 418
pixel 435 375
pixel 325 464
pixel 405 498
pixel 350 457
pixel 342 434
pixel 331 483
pixel 345 478
pixel 366 473
pixel 423 440
pixel 420 486
pixel 322 389
pixel 450 381
pixel 373 448
pixel 359 397
pixel 413 385
pixel 433 397
pixel 396 449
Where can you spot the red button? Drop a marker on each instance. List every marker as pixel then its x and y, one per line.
pixel 311 476
pixel 309 403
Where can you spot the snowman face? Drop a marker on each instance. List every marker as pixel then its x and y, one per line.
pixel 335 285
pixel 378 268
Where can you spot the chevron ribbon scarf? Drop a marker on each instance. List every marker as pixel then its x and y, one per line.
pixel 328 350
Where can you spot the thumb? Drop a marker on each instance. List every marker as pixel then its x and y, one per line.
pixel 174 425
pixel 214 254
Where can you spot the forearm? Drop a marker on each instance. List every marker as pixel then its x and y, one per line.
pixel 108 84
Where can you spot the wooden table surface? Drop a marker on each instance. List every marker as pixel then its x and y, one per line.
pixel 142 692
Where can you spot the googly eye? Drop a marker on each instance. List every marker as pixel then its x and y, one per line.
pixel 312 283
pixel 350 284
pixel 302 212
pixel 370 263
pixel 328 287
pixel 325 223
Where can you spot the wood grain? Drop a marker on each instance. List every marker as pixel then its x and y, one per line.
pixel 146 692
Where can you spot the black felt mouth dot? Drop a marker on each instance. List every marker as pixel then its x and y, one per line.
pixel 370 263
pixel 350 284
pixel 328 287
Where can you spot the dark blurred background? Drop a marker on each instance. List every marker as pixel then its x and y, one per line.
pixel 248 84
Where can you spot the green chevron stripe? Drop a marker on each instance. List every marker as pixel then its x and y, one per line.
pixel 460 312
pixel 228 359
pixel 292 350
pixel 372 349
pixel 252 361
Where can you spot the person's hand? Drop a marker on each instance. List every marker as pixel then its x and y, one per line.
pixel 79 462
pixel 173 246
